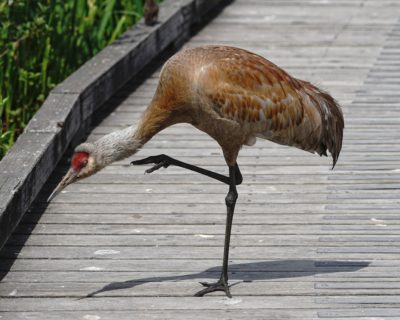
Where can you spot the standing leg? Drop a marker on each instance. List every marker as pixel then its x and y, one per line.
pixel 230 200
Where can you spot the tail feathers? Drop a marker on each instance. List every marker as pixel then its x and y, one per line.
pixel 332 126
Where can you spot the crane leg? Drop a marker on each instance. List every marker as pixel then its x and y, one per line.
pixel 235 178
pixel 230 200
pixel 164 161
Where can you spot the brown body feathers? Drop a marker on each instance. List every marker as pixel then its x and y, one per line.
pixel 236 96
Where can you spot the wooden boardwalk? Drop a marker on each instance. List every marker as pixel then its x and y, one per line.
pixel 307 242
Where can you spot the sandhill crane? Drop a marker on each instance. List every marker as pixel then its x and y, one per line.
pixel 234 96
pixel 150 12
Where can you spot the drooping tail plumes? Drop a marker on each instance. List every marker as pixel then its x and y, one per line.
pixel 332 124
pixel 334 128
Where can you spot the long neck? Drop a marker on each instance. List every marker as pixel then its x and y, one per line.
pixel 117 146
pixel 124 143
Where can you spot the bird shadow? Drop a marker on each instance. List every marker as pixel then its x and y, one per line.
pixel 249 272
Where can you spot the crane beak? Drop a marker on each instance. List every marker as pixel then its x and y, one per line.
pixel 69 178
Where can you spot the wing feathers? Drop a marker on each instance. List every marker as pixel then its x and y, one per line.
pixel 269 103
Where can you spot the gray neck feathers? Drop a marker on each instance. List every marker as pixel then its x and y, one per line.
pixel 117 146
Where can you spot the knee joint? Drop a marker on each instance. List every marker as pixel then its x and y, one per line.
pixel 231 198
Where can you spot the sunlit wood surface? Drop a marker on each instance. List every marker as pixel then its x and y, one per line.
pixel 307 242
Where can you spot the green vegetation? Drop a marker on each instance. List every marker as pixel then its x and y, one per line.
pixel 42 42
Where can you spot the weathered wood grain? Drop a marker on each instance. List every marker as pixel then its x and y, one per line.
pixel 189 303
pixel 107 277
pixel 205 229
pixel 184 288
pixel 308 242
pixel 269 251
pixel 258 314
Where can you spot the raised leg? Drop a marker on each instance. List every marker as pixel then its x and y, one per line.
pixel 164 161
pixel 230 200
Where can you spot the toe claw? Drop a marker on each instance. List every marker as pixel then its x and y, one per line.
pixel 158 161
pixel 157 166
pixel 151 159
pixel 199 294
pixel 205 284
pixel 211 287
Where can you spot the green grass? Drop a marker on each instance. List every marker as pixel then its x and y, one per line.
pixel 42 42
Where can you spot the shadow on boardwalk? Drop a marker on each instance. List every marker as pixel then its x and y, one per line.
pixel 252 271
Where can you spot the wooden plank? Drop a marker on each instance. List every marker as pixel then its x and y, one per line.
pixel 201 240
pixel 307 242
pixel 105 252
pixel 279 198
pixel 207 229
pixel 361 313
pixel 187 289
pixel 361 276
pixel 193 266
pixel 356 217
pixel 193 240
pixel 99 277
pixel 195 188
pixel 258 314
pixel 187 303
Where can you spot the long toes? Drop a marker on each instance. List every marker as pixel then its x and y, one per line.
pixel 207 290
pixel 157 166
pixel 138 162
pixel 152 169
pixel 211 287
pixel 201 293
pixel 205 284
pixel 152 159
pixel 144 161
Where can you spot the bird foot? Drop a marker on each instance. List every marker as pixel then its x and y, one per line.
pixel 221 285
pixel 160 161
pixel 157 166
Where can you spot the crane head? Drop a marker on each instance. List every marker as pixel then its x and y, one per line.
pixel 83 164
